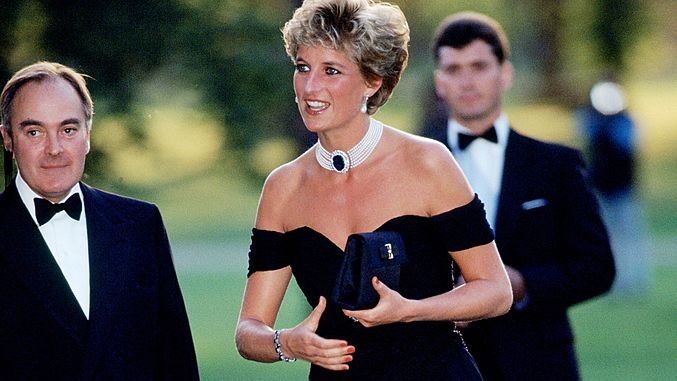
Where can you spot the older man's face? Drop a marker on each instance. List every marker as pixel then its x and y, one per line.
pixel 49 137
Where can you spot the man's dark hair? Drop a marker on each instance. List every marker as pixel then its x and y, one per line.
pixel 461 29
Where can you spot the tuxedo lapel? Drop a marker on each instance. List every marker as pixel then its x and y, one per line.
pixel 108 271
pixel 27 253
pixel 514 185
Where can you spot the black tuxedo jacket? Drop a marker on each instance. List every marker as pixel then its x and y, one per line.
pixel 138 328
pixel 549 228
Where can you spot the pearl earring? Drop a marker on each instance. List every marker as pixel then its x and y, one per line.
pixel 363 109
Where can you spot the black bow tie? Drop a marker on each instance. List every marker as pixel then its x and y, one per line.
pixel 464 140
pixel 45 210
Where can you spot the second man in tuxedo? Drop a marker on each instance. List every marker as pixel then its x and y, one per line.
pixel 547 223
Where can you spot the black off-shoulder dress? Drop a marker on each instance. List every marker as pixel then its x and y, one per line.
pixel 400 351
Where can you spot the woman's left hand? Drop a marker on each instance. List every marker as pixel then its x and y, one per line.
pixel 390 307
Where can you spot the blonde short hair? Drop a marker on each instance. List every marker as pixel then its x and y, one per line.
pixel 374 34
pixel 39 72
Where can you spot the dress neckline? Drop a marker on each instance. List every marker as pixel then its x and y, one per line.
pixel 391 221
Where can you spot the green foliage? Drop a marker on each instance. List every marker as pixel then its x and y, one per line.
pixel 230 53
pixel 118 43
pixel 236 58
pixel 616 27
pixel 10 12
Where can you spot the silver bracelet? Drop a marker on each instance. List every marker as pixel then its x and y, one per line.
pixel 278 348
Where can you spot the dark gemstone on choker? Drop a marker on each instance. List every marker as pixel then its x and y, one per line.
pixel 339 162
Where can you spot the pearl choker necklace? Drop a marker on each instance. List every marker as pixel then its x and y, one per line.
pixel 340 161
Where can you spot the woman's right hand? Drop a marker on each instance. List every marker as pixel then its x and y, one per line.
pixel 302 342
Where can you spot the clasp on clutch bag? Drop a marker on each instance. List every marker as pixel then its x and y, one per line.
pixel 388 252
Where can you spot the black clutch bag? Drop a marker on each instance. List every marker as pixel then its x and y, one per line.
pixel 379 254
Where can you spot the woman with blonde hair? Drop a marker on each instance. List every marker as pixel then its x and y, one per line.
pixel 364 176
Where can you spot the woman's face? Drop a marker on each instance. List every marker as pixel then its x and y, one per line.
pixel 329 87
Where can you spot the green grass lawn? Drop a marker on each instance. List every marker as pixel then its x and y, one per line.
pixel 213 303
pixel 632 338
pixel 617 339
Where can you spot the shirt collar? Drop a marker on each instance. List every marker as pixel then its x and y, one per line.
pixel 27 194
pixel 501 125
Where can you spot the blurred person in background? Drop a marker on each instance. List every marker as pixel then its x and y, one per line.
pixel 548 228
pixel 87 285
pixel 610 135
pixel 363 176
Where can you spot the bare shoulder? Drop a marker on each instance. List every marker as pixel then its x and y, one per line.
pixel 278 189
pixel 431 153
pixel 421 154
pixel 431 164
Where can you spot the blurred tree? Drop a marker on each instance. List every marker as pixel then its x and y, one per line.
pixel 230 53
pixel 10 9
pixel 9 14
pixel 236 57
pixel 117 43
pixel 616 27
pixel 548 33
pixel 538 43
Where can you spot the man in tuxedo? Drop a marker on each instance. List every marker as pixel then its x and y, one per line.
pixel 87 284
pixel 547 223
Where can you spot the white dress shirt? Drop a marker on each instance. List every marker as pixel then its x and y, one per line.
pixel 482 162
pixel 67 240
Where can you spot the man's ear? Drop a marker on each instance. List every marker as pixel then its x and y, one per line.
pixel 507 73
pixel 439 86
pixel 6 138
pixel 89 141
